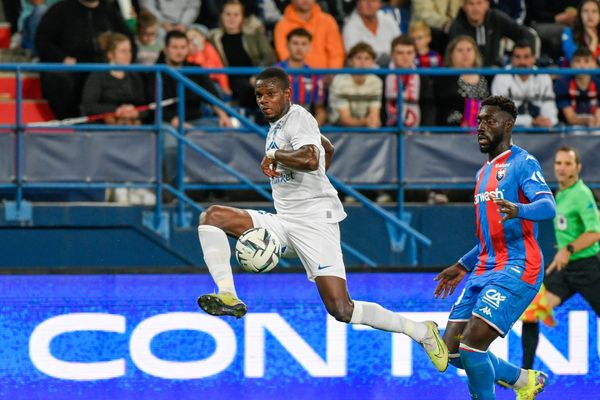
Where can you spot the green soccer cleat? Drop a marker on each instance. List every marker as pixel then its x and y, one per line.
pixel 222 304
pixel 535 385
pixel 435 347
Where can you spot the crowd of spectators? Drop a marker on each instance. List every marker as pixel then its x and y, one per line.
pixel 321 34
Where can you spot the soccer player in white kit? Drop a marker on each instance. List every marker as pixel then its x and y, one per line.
pixel 308 213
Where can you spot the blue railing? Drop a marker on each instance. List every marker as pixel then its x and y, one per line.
pixel 397 222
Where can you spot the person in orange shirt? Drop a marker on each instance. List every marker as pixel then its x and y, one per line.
pixel 203 53
pixel 327 47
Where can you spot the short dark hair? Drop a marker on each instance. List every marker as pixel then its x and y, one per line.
pixel 503 103
pixel 275 73
pixel 174 34
pixel 362 47
pixel 582 52
pixel 567 149
pixel 403 40
pixel 523 44
pixel 299 32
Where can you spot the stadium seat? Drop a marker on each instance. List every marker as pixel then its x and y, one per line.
pixel 30 84
pixel 4 35
pixel 33 111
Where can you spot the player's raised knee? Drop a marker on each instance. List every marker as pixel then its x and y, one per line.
pixel 214 215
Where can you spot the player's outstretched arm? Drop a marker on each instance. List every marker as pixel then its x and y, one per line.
pixel 542 208
pixel 329 150
pixel 448 280
pixel 306 158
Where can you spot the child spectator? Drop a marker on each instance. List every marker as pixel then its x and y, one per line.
pixel 149 47
pixel 355 100
pixel 308 90
pixel 204 54
pixel 420 32
pixel 417 90
pixel 577 98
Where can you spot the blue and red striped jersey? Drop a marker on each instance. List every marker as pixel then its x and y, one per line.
pixel 512 246
pixel 429 60
pixel 307 89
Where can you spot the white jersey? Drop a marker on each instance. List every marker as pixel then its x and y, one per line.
pixel 302 194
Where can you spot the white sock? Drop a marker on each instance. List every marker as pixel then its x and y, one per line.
pixel 523 379
pixel 376 316
pixel 217 254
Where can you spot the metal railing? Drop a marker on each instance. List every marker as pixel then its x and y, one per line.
pixel 396 221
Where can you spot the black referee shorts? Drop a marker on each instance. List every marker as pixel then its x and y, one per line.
pixel 579 276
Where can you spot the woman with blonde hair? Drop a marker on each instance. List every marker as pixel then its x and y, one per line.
pixel 240 47
pixel 115 91
pixel 458 98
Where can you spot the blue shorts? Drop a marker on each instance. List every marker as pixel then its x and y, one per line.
pixel 497 298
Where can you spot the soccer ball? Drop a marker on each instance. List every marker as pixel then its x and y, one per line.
pixel 258 250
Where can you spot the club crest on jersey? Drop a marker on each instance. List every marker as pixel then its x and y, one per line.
pixel 500 174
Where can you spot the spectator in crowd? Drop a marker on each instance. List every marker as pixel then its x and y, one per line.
pixel 458 99
pixel 308 90
pixel 239 48
pixel 114 91
pixel 549 18
pixel 487 27
pixel 426 57
pixel 418 107
pixel 370 25
pixel 577 97
pixel 437 14
pixel 149 47
pixel 516 9
pixel 533 94
pixel 173 14
pixel 204 54
pixel 355 100
pixel 68 33
pixel 400 11
pixel 327 50
pixel 585 32
pixel 175 55
pixel 31 15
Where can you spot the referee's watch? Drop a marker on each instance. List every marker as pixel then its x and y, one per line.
pixel 570 248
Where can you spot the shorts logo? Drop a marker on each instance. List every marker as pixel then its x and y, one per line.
pixel 486 311
pixel 493 298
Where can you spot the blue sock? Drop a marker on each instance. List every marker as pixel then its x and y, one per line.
pixel 480 372
pixel 504 370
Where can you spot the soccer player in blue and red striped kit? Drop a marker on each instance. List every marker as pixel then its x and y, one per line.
pixel 506 264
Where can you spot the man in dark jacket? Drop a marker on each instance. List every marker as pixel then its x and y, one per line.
pixel 488 26
pixel 68 33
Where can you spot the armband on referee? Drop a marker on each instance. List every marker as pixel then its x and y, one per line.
pixel 271 154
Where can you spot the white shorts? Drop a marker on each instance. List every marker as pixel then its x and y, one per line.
pixel 316 243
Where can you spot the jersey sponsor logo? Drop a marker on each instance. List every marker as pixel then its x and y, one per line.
pixel 505 165
pixel 500 174
pixel 486 311
pixel 283 178
pixel 272 145
pixel 561 222
pixel 487 196
pixel 493 298
pixel 538 177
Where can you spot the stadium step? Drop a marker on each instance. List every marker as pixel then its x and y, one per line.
pixel 30 84
pixel 4 35
pixel 33 111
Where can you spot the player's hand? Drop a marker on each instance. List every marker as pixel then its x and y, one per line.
pixel 448 280
pixel 561 259
pixel 269 167
pixel 510 210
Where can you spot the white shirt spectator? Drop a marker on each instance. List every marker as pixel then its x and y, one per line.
pixel 534 96
pixel 355 31
pixel 173 11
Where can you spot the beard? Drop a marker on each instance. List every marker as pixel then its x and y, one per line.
pixel 489 147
